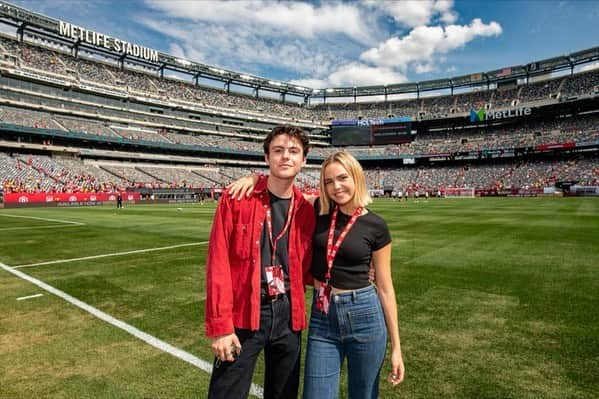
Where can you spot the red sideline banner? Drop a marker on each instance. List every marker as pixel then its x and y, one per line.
pixel 545 147
pixel 37 198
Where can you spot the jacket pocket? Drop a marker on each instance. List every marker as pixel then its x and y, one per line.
pixel 240 244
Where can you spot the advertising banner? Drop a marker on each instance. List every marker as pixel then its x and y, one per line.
pixel 66 198
pixel 545 147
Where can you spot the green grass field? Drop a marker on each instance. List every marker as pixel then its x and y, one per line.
pixel 498 298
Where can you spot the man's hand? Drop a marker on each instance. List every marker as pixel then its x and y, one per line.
pixel 224 346
pixel 371 274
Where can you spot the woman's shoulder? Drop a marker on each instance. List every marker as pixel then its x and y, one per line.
pixel 375 218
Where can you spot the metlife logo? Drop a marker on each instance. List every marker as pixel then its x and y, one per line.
pixel 481 115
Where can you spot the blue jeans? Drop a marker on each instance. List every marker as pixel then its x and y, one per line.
pixel 354 329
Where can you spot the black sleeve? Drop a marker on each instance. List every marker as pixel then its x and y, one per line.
pixel 382 234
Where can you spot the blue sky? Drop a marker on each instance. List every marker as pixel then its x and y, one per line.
pixel 333 44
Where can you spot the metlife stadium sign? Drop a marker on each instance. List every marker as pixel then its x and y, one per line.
pixel 484 115
pixel 100 40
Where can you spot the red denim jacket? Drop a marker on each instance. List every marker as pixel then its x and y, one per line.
pixel 233 263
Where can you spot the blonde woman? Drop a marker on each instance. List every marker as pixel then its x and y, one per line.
pixel 350 318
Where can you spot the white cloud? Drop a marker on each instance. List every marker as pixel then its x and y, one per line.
pixel 412 13
pixel 312 83
pixel 283 18
pixel 358 74
pixel 424 68
pixel 444 8
pixel 425 42
pixel 316 43
pixel 354 74
pixel 244 50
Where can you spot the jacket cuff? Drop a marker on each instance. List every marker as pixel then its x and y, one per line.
pixel 217 327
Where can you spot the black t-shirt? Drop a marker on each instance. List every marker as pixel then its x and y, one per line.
pixel 350 267
pixel 279 208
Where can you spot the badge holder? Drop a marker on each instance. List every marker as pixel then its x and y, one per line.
pixel 323 303
pixel 275 280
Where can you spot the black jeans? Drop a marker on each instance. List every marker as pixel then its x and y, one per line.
pixel 282 349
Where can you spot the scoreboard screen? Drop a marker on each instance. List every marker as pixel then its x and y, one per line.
pixel 393 133
pixel 350 135
pixel 372 132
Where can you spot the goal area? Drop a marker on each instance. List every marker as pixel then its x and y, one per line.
pixel 459 192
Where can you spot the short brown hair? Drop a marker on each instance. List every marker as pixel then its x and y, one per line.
pixel 292 131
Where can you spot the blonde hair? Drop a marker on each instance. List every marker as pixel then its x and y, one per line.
pixel 354 169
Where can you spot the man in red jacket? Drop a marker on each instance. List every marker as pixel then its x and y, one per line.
pixel 258 259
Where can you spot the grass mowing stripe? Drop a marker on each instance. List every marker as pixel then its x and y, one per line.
pixel 255 390
pixel 51 226
pixel 137 251
pixel 46 219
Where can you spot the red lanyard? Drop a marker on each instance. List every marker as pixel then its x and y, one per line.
pixel 333 248
pixel 273 243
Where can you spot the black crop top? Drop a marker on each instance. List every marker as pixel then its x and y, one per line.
pixel 350 267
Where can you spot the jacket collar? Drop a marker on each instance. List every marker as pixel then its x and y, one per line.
pixel 262 187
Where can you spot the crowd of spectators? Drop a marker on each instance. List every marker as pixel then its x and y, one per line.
pixel 524 134
pixel 354 110
pixel 473 100
pixel 506 137
pixel 37 173
pixel 19 176
pixel 147 82
pixel 178 177
pixel 83 126
pixel 23 117
pixel 137 133
pixel 582 83
pixel 491 177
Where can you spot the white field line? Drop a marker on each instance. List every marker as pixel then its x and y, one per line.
pixel 137 251
pixel 255 390
pixel 50 226
pixel 29 297
pixel 46 219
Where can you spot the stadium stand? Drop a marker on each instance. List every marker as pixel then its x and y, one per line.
pixel 97 123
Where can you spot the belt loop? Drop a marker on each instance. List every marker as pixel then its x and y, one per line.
pixel 354 294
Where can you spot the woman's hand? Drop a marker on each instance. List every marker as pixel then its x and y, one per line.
pixel 397 368
pixel 243 186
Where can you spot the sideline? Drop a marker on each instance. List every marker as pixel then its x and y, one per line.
pixel 46 219
pixel 255 390
pixel 137 251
